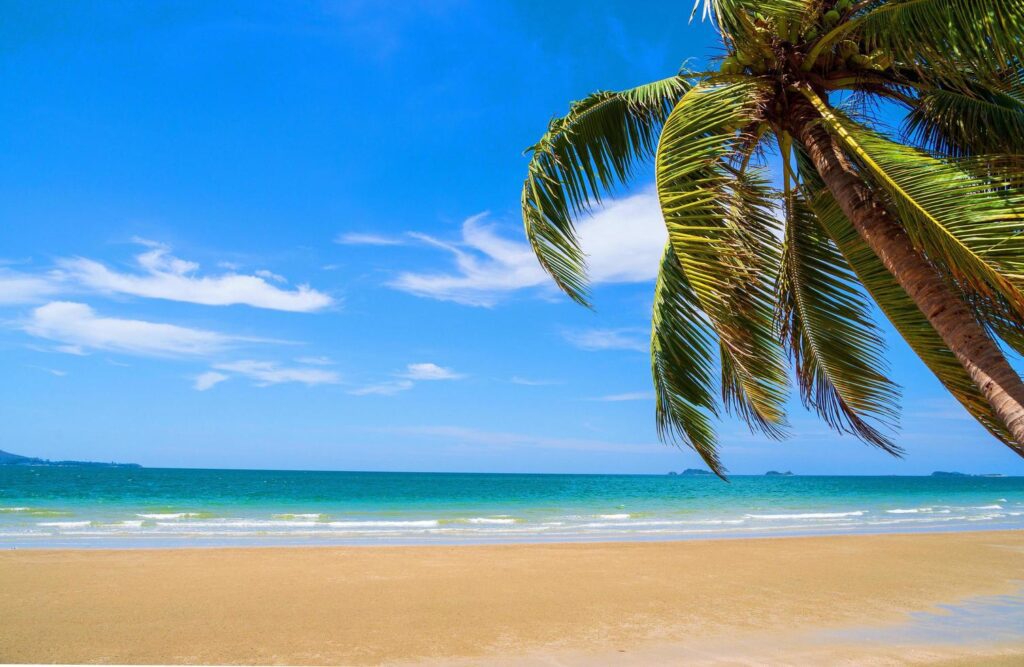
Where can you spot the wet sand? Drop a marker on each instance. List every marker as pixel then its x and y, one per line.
pixel 738 601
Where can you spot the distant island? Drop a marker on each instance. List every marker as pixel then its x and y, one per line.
pixel 692 472
pixel 776 473
pixel 942 473
pixel 8 459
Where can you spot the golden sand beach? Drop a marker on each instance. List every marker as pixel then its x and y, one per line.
pixel 698 602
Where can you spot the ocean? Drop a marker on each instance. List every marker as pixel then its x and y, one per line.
pixel 153 507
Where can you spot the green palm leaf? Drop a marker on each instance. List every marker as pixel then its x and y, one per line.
pixel 965 222
pixel 681 365
pixel 951 122
pixel 947 40
pixel 901 311
pixel 589 151
pixel 838 352
pixel 720 226
pixel 736 18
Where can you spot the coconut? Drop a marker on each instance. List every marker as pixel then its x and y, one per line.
pixel 880 60
pixel 730 66
pixel 858 60
pixel 848 48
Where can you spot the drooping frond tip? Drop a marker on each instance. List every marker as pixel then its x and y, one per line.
pixel 838 353
pixel 721 227
pixel 681 365
pixel 583 156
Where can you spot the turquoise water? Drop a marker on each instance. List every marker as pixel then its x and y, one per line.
pixel 114 507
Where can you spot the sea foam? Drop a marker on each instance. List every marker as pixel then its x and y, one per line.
pixel 430 523
pixel 807 515
pixel 172 515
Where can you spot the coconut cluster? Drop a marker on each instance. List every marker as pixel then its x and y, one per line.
pixel 847 52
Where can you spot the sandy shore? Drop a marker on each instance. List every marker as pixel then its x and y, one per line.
pixel 625 603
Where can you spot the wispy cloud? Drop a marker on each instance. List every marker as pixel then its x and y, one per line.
pixel 502 439
pixel 623 241
pixel 938 408
pixel 428 371
pixel 356 238
pixel 161 275
pixel 270 275
pixel 315 361
pixel 78 328
pixel 628 396
pixel 208 380
pixel 388 388
pixel 267 373
pixel 51 371
pixel 407 379
pixel 25 288
pixel 608 339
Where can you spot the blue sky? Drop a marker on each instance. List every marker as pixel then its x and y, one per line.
pixel 285 235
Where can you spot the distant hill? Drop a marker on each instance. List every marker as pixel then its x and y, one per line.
pixel 8 459
pixel 776 473
pixel 942 473
pixel 692 472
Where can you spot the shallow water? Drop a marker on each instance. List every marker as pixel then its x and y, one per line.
pixel 117 507
pixel 990 619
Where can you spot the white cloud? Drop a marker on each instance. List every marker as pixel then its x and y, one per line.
pixel 164 276
pixel 52 371
pixel 356 238
pixel 499 439
pixel 407 380
pixel 267 373
pixel 623 241
pixel 207 380
pixel 429 371
pixel 270 275
pixel 389 388
pixel 315 361
pixel 628 396
pixel 78 328
pixel 22 288
pixel 594 340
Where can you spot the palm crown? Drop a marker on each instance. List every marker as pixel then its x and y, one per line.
pixel 928 223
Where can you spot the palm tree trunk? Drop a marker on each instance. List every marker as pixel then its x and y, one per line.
pixel 945 309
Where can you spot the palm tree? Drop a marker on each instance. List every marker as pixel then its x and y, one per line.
pixel 928 222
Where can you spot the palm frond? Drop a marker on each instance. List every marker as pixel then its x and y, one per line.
pixel 735 18
pixel 682 365
pixel 584 154
pixel 986 121
pixel 898 307
pixel 997 316
pixel 720 226
pixel 966 223
pixel 838 352
pixel 948 40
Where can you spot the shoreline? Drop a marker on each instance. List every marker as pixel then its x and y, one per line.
pixel 175 544
pixel 649 602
